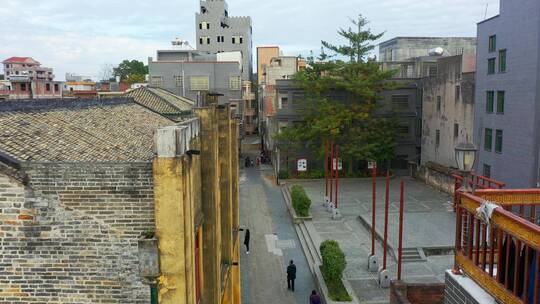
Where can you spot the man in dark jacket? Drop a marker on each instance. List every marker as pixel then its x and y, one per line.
pixel 291 275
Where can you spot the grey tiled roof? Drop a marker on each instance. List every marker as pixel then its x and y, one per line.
pixel 78 130
pixel 162 101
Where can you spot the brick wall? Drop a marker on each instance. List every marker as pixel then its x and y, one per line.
pixel 462 289
pixel 416 293
pixel 70 236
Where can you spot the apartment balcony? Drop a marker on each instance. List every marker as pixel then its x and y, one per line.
pixel 19 78
pixel 503 258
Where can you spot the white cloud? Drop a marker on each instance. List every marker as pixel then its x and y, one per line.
pixel 80 36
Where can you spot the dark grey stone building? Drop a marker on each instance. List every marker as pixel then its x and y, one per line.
pixel 507 113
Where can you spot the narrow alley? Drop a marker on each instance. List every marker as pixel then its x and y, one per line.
pixel 273 243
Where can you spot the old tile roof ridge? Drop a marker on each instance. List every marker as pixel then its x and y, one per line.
pixel 25 105
pixel 74 130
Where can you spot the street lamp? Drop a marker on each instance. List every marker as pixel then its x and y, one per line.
pixel 465 159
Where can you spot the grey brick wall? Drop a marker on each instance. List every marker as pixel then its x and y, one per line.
pixel 459 292
pixel 70 236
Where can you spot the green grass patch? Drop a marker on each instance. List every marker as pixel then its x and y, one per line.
pixel 336 289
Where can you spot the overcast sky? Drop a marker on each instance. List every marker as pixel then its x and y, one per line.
pixel 82 36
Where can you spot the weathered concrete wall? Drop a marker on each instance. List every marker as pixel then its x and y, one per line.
pixel 403 48
pixel 70 236
pixel 455 91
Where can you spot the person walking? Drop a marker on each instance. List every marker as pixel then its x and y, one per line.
pixel 246 241
pixel 314 298
pixel 291 275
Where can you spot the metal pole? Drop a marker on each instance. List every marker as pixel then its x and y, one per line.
pixel 337 174
pixel 331 170
pixel 326 166
pixel 400 246
pixel 373 208
pixel 386 206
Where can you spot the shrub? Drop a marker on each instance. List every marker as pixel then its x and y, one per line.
pixel 316 174
pixel 333 259
pixel 333 265
pixel 300 201
pixel 283 174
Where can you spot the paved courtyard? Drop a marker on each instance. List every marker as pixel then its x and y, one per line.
pixel 428 229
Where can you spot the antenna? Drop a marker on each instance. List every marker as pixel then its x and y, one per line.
pixel 485 14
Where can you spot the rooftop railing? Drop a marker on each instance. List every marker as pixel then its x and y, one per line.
pixel 503 257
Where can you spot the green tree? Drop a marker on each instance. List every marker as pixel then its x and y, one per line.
pixel 342 90
pixel 131 71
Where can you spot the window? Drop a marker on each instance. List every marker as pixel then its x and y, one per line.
pixel 204 40
pixel 456 130
pixel 502 61
pixel 220 39
pixel 490 98
pixel 235 83
pixel 400 101
pixel 487 171
pixel 500 102
pixel 200 83
pixel 488 139
pixel 237 39
pixel 498 141
pixel 23 86
pixel 283 102
pixel 403 131
pixel 458 92
pixel 56 89
pixel 492 43
pixel 48 87
pixel 491 66
pixel 157 81
pixel 179 81
pixel 433 71
pixel 439 101
pixel 437 138
pixel 204 25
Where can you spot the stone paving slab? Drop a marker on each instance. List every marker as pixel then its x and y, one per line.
pixel 429 222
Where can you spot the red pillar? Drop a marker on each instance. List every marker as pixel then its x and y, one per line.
pixel 337 175
pixel 386 207
pixel 400 245
pixel 373 208
pixel 326 166
pixel 331 170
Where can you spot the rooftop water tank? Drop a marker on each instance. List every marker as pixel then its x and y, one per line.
pixel 438 51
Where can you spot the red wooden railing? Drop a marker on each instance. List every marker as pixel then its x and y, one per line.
pixel 475 182
pixel 503 258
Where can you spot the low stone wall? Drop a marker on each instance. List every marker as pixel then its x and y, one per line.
pixel 436 176
pixel 416 293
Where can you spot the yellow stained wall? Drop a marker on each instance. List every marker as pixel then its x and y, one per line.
pixel 170 229
pixel 180 185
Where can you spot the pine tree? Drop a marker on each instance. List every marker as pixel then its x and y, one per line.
pixel 341 97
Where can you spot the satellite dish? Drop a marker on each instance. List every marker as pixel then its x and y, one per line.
pixel 438 51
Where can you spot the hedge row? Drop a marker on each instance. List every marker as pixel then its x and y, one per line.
pixel 333 265
pixel 300 201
